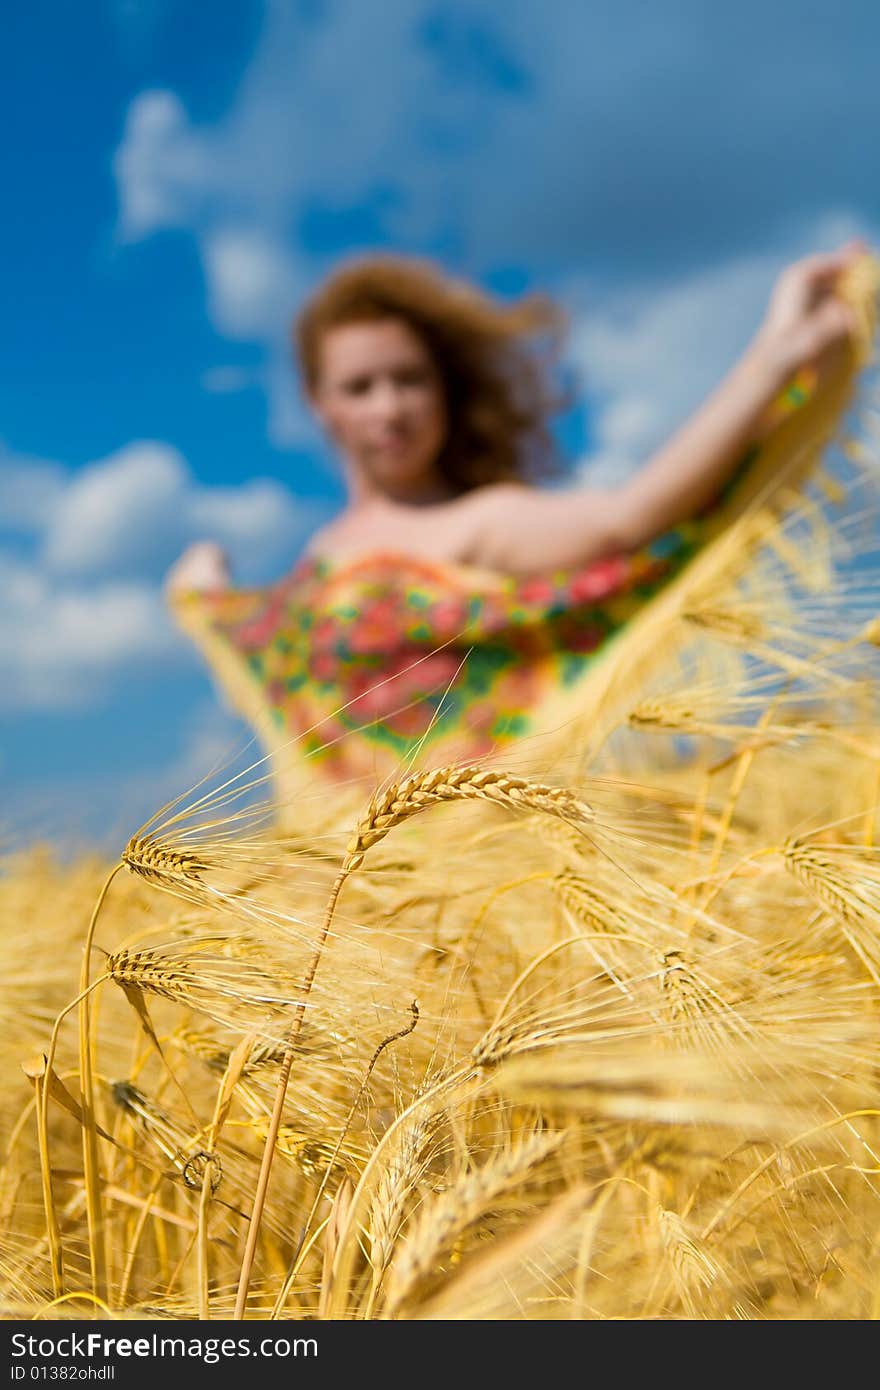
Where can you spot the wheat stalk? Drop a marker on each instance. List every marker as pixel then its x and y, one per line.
pixel 443 1221
pixel 312 1155
pixel 846 883
pixel 737 625
pixel 589 906
pixel 693 1270
pixel 215 1055
pixel 332 1234
pixel 387 809
pixel 694 1008
pixel 400 1176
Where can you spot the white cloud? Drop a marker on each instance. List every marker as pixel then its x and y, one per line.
pixel 648 355
pixel 114 512
pixel 505 139
pixel 161 166
pixel 29 490
pixel 82 604
pixel 132 513
pixel 252 282
pixel 646 359
pixel 259 513
pixel 241 186
pixel 62 647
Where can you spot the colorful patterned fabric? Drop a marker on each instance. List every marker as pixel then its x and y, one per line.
pixel 368 657
pixel 359 662
pixel 348 669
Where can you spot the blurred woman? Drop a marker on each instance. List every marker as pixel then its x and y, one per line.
pixel 453 589
pixel 438 411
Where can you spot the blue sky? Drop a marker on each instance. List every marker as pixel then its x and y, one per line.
pixel 178 175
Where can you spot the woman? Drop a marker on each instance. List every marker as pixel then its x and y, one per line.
pixel 374 379
pixel 436 400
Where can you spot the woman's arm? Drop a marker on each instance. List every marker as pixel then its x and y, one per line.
pixel 524 530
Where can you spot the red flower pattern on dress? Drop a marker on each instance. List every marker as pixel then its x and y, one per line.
pixel 537 591
pixel 357 658
pixel 597 582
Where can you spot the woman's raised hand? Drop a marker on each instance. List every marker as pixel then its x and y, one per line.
pixel 807 322
pixel 203 566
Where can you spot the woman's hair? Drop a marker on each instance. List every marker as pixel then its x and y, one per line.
pixel 494 359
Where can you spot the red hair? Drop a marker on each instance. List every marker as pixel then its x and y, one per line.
pixel 494 359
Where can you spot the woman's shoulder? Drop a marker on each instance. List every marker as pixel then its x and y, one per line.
pixel 444 531
pixel 335 536
pixel 317 542
pixel 508 489
pixel 492 498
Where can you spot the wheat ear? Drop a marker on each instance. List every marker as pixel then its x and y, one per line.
pixel 160 863
pixel 386 810
pixel 152 974
pixel 406 798
pixel 441 1222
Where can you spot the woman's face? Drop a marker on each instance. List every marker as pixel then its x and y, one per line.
pixel 380 397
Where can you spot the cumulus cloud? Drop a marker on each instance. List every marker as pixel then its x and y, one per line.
pixel 131 513
pixel 162 167
pixel 647 356
pixel 632 139
pixel 84 558
pixel 62 647
pixel 113 512
pixel 651 168
pixel 29 491
pixel 646 359
pixel 252 282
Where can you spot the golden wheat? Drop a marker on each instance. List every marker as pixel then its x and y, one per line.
pixel 161 863
pixel 404 799
pixel 443 1220
pixel 643 1083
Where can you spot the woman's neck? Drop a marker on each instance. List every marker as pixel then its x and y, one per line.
pixel 365 494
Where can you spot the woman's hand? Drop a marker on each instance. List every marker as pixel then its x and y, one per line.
pixel 202 567
pixel 807 323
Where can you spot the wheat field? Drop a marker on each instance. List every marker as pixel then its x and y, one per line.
pixel 590 1034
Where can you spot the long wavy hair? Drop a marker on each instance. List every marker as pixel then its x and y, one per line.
pixel 496 360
